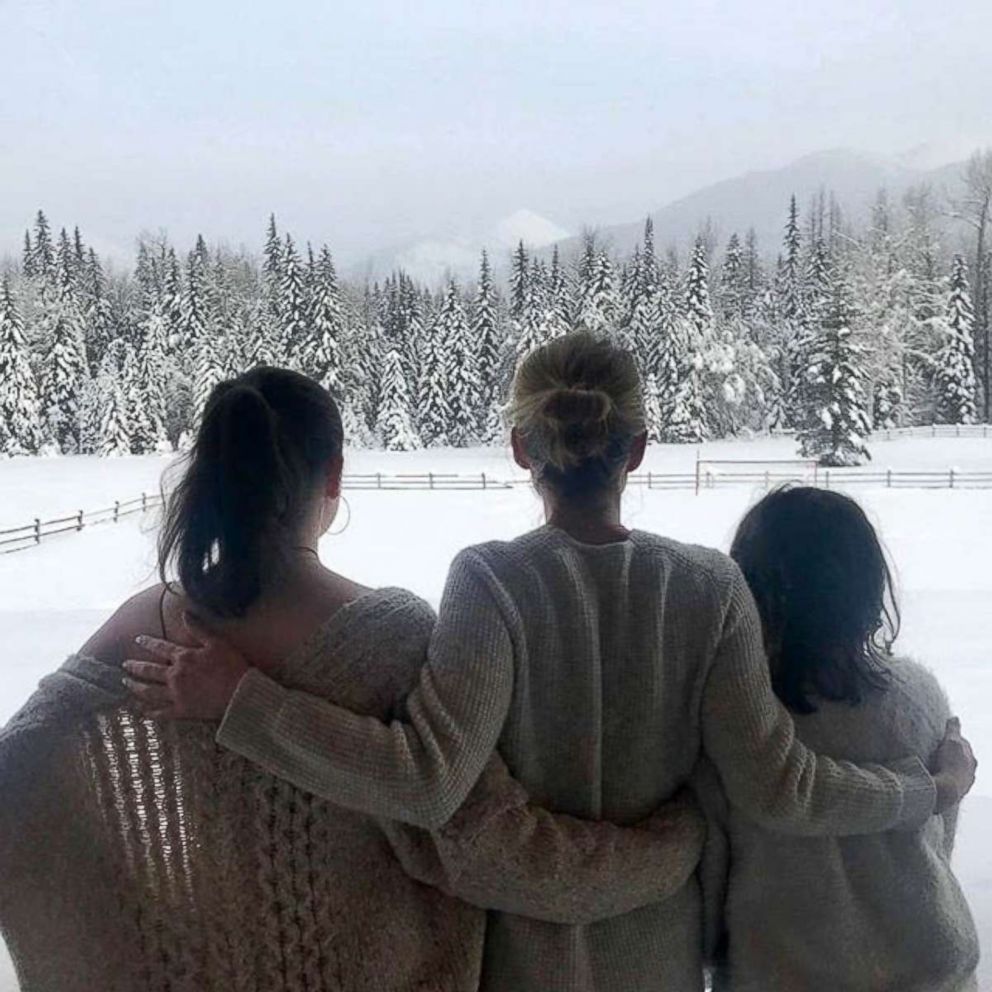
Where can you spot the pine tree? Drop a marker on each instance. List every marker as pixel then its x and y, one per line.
pixel 44 252
pixel 732 281
pixel 114 437
pixel 955 374
pixel 208 370
pixel 599 311
pixel 19 427
pixel 194 312
pixel 519 278
pixel 488 337
pixel 62 385
pixel 146 381
pixel 452 334
pixel 292 306
pixel 173 304
pixel 679 385
pixel 653 410
pixel 28 266
pixel 395 427
pixel 326 325
pixel 835 423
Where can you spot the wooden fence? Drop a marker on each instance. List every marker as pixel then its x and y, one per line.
pixel 704 478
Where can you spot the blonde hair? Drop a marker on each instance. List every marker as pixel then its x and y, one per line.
pixel 578 405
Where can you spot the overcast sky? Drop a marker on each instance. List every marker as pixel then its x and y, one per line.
pixel 369 123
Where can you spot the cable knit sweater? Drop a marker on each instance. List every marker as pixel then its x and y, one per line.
pixel 882 913
pixel 136 856
pixel 603 673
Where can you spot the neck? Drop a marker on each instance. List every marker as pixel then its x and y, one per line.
pixel 597 523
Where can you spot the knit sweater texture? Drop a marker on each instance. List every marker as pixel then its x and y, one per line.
pixel 603 673
pixel 143 856
pixel 879 913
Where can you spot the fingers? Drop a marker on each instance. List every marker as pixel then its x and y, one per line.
pixel 148 692
pixel 147 671
pixel 164 650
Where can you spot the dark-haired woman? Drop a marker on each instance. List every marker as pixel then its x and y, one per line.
pixel 880 913
pixel 134 857
pixel 602 662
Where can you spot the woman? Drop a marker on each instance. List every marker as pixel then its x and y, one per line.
pixel 888 903
pixel 140 858
pixel 602 662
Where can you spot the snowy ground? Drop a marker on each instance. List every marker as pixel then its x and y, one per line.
pixel 52 596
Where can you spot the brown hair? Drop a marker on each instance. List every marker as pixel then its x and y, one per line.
pixel 577 404
pixel 264 440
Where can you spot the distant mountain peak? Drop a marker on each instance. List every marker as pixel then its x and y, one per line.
pixel 530 227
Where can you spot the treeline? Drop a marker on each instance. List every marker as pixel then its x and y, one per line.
pixel 843 331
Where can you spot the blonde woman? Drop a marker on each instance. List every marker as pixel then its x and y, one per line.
pixel 601 662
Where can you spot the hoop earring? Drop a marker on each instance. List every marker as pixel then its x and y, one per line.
pixel 347 519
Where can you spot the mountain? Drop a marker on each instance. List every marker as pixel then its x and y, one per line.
pixel 432 260
pixel 760 199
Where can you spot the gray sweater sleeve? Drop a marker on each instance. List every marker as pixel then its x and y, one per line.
pixel 502 852
pixel 420 769
pixel 768 773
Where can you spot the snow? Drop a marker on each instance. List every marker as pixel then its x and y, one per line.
pixel 53 596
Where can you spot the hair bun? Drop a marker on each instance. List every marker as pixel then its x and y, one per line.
pixel 578 424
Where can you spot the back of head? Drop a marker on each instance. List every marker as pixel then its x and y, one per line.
pixel 577 405
pixel 824 591
pixel 265 443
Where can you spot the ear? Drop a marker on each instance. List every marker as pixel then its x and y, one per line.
pixel 334 473
pixel 519 450
pixel 637 452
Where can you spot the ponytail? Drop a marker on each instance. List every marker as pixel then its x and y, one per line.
pixel 262 443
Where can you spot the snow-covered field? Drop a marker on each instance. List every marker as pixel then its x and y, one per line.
pixel 52 596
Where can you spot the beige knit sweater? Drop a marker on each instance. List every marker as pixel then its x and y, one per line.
pixel 881 913
pixel 136 856
pixel 603 673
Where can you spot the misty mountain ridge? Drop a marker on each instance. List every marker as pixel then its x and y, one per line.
pixel 758 199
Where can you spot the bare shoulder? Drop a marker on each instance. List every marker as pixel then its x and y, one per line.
pixel 141 614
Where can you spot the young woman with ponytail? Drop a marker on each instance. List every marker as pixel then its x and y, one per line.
pixel 136 857
pixel 601 662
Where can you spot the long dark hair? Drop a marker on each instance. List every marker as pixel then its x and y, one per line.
pixel 265 439
pixel 825 594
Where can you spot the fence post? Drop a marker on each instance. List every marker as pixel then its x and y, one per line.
pixel 378 480
pixel 37 530
pixel 483 480
pixel 117 510
pixel 888 479
pixel 79 520
pixel 649 480
pixel 430 480
pixel 826 477
pixel 144 502
pixel 952 478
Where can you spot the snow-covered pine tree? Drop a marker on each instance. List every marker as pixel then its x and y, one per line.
pixel 65 372
pixel 955 372
pixel 272 266
pixel 20 432
pixel 679 386
pixel 519 278
pixel 208 370
pixel 600 301
pixel 835 423
pixel 65 262
pixel 437 419
pixel 326 325
pixel 652 409
pixel 489 342
pixel 461 374
pixel 114 431
pixel 146 382
pixel 395 423
pixel 292 307
pixel 732 281
pixel 44 251
pixel 194 311
pixel 27 257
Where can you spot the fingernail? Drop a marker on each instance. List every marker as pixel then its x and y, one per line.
pixel 140 639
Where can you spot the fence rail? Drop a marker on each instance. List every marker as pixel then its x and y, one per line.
pixel 704 478
pixel 928 430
